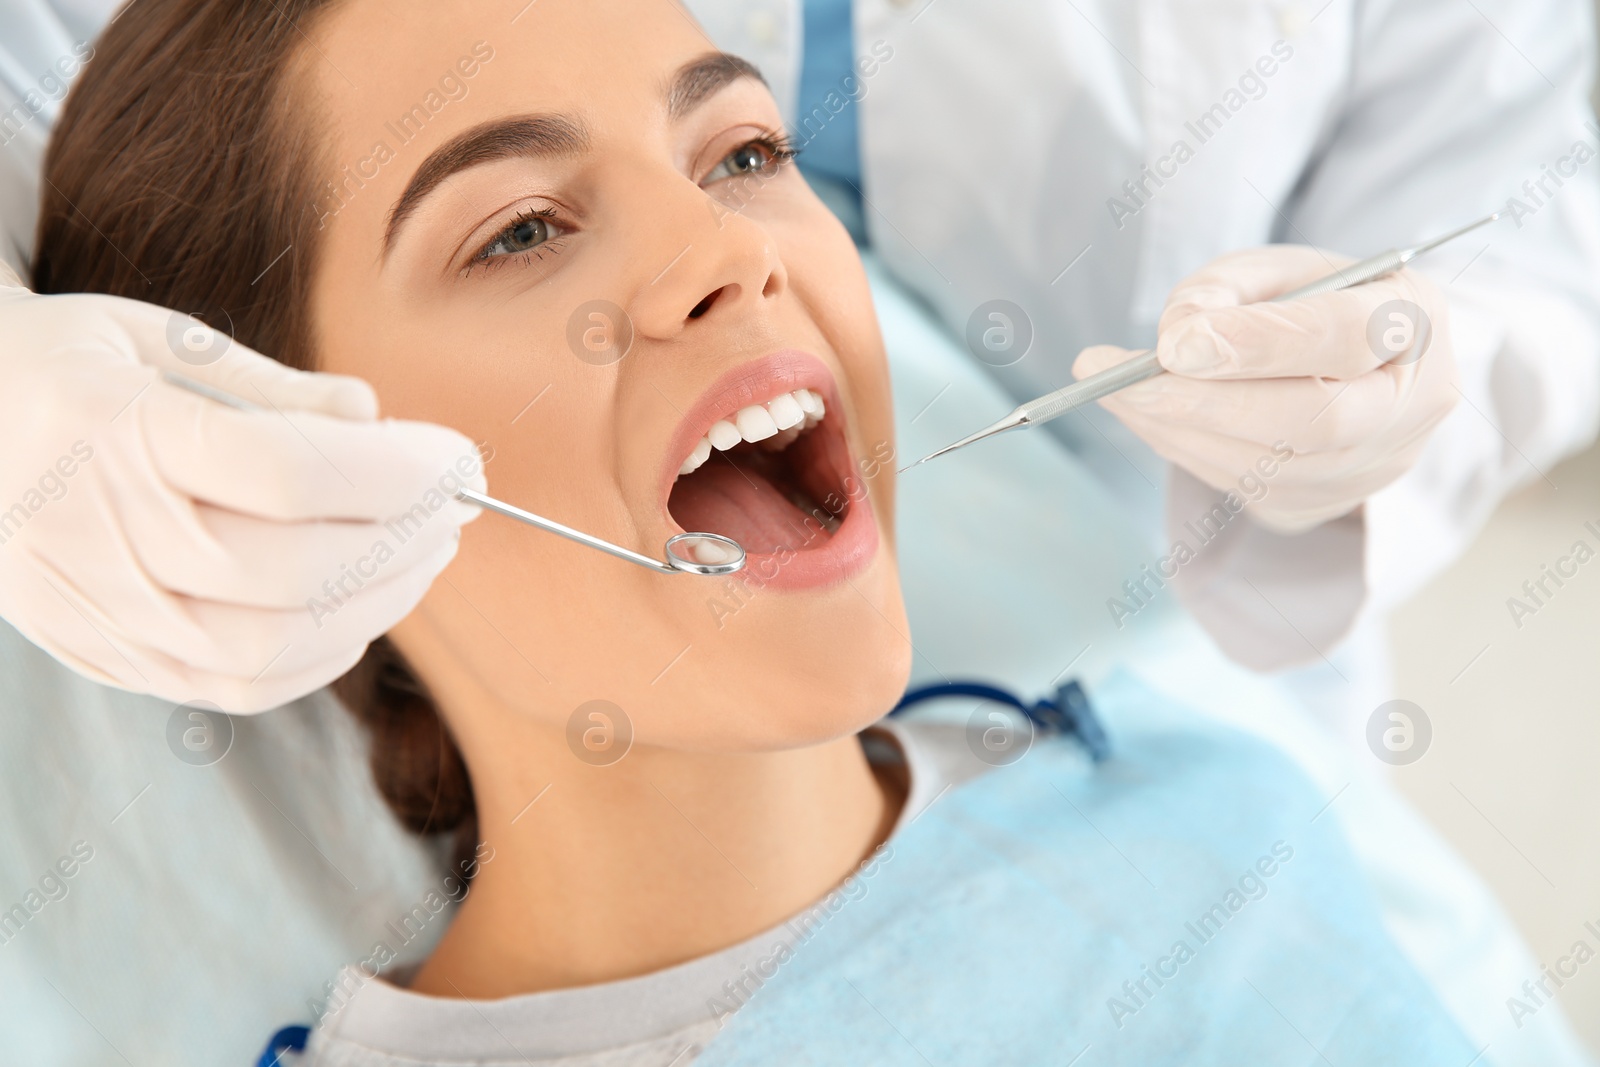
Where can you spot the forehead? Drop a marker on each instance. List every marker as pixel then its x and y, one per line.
pixel 414 73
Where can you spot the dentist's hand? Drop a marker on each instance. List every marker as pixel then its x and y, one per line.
pixel 1352 381
pixel 163 543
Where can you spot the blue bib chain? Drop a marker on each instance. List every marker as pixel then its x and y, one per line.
pixel 289 1039
pixel 1068 712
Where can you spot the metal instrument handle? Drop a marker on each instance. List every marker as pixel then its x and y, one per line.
pixel 514 512
pixel 1112 379
pixel 1146 365
pixel 1355 274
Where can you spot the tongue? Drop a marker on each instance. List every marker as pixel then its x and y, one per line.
pixel 739 503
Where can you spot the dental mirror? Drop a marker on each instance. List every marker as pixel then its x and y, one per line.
pixel 706 554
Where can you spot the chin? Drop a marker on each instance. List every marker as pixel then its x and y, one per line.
pixel 798 670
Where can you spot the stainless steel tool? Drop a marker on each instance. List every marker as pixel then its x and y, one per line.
pixel 1145 365
pixel 706 554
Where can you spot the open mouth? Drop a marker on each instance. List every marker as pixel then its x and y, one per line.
pixel 771 468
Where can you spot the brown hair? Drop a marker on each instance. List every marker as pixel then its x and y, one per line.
pixel 181 173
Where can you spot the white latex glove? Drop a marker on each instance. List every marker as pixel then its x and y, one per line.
pixel 164 543
pixel 1250 377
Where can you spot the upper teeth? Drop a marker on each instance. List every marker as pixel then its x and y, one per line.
pixel 778 422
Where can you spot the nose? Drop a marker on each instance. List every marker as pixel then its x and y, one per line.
pixel 713 265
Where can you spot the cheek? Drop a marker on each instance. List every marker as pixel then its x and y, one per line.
pixel 519 610
pixel 854 334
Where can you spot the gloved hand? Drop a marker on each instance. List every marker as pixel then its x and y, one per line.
pixel 164 543
pixel 1352 381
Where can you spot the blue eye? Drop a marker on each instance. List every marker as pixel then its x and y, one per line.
pixel 526 234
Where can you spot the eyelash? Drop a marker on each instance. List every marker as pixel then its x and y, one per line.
pixel 483 260
pixel 777 143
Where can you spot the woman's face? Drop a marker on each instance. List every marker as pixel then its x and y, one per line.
pixel 570 233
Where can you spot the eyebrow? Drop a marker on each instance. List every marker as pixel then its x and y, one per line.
pixel 527 136
pixel 553 136
pixel 699 79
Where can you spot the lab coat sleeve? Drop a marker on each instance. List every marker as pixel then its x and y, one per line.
pixel 1452 107
pixel 1452 110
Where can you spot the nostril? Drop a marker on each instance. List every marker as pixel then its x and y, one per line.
pixel 705 304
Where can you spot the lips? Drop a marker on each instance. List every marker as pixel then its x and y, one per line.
pixel 763 457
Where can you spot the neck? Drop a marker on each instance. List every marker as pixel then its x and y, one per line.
pixel 601 873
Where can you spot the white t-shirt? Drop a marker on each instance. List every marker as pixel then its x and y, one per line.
pixel 656 1020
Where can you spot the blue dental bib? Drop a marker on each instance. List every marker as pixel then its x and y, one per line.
pixel 1189 901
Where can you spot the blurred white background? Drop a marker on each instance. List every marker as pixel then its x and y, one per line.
pixel 1511 777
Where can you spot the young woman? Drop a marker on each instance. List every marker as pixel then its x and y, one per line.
pixel 570 232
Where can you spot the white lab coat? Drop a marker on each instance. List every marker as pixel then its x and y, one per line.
pixel 998 134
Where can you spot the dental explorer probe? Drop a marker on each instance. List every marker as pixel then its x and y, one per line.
pixel 705 554
pixel 1146 365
